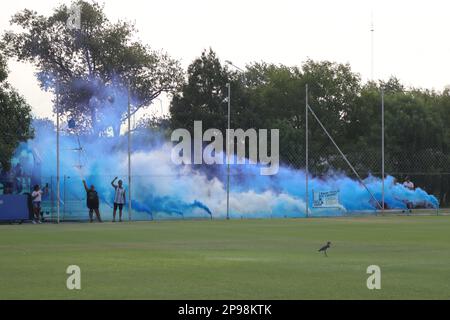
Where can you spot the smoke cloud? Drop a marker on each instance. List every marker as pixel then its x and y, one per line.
pixel 162 189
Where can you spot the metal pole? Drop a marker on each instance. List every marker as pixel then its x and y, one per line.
pixel 52 198
pixel 57 156
pixel 232 64
pixel 129 154
pixel 161 106
pixel 382 150
pixel 228 152
pixel 307 153
pixel 64 197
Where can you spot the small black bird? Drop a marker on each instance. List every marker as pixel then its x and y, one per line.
pixel 325 248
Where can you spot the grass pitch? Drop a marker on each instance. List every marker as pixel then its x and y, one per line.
pixel 238 259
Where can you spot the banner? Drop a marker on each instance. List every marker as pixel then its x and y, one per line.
pixel 326 199
pixel 14 207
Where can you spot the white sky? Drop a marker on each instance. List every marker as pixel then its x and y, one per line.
pixel 411 37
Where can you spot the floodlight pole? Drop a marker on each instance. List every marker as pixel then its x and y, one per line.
pixel 160 106
pixel 64 195
pixel 129 153
pixel 382 151
pixel 307 153
pixel 57 156
pixel 228 136
pixel 228 151
pixel 233 65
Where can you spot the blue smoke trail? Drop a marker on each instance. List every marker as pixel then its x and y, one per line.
pixel 161 188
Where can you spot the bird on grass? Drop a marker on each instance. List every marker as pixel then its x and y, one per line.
pixel 325 248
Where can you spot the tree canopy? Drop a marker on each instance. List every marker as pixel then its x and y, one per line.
pixel 91 67
pixel 15 119
pixel 271 96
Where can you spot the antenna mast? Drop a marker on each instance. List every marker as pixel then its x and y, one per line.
pixel 372 29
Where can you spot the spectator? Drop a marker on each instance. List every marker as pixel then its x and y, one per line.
pixel 18 172
pixel 408 183
pixel 119 198
pixel 36 197
pixel 92 202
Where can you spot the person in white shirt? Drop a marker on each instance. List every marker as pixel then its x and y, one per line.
pixel 408 184
pixel 119 198
pixel 36 197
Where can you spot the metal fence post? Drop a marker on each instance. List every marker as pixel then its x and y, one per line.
pixel 307 153
pixel 382 152
pixel 129 154
pixel 64 197
pixel 228 151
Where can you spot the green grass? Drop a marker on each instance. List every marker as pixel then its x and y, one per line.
pixel 245 259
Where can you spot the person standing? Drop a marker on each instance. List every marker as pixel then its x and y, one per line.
pixel 92 202
pixel 36 197
pixel 119 198
pixel 408 184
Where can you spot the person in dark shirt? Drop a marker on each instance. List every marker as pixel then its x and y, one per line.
pixel 92 202
pixel 18 170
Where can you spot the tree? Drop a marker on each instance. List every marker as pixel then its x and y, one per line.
pixel 15 119
pixel 270 96
pixel 275 92
pixel 417 139
pixel 90 67
pixel 334 89
pixel 203 96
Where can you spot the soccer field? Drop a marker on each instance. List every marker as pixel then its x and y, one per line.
pixel 237 259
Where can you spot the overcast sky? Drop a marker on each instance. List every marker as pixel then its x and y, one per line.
pixel 411 38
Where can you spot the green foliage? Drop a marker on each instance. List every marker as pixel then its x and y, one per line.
pixel 79 63
pixel 273 97
pixel 203 96
pixel 15 119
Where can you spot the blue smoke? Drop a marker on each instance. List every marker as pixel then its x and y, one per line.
pixel 161 189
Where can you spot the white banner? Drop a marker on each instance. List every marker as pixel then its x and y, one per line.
pixel 326 199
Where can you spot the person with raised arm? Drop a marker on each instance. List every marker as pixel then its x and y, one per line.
pixel 119 198
pixel 36 198
pixel 92 202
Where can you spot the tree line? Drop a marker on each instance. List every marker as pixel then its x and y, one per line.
pixel 265 95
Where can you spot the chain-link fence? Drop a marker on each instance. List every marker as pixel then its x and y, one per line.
pixel 425 166
pixel 201 194
pixel 202 191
